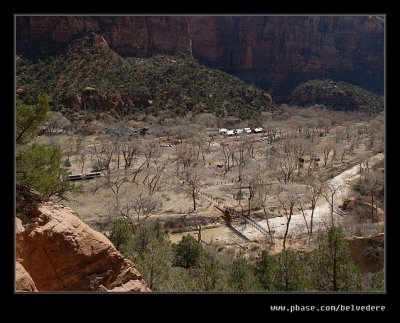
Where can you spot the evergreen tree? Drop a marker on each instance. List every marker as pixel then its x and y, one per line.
pixel 332 268
pixel 38 166
pixel 29 118
pixel 266 267
pixel 151 251
pixel 155 263
pixel 240 275
pixel 206 274
pixel 187 252
pixel 121 234
pixel 378 281
pixel 290 275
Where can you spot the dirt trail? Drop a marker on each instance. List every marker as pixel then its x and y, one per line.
pixel 297 225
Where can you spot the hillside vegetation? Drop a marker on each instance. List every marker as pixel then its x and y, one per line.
pixel 336 96
pixel 90 75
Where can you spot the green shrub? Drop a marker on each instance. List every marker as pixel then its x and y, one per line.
pixel 187 252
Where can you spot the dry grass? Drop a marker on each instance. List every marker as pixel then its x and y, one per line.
pixel 175 205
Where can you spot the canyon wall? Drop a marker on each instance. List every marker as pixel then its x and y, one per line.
pixel 273 52
pixel 278 52
pixel 126 35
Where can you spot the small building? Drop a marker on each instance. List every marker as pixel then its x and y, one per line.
pixel 75 177
pixel 92 175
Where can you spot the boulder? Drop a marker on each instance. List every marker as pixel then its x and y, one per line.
pixel 23 281
pixel 59 252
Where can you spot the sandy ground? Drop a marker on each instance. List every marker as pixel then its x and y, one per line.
pixel 322 219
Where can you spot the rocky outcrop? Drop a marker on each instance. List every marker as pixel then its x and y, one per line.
pixel 127 35
pixel 336 96
pixel 23 281
pixel 279 52
pixel 368 252
pixel 56 251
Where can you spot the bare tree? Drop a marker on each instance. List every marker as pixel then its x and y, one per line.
pixel 143 205
pixel 228 154
pixel 310 130
pixel 263 191
pixel 151 152
pixel 242 159
pixel 329 195
pixel 82 159
pixel 374 182
pixel 249 145
pixel 129 152
pixel 304 198
pixel 327 149
pixel 376 134
pixel 340 134
pixel 193 181
pixel 134 206
pixel 179 127
pixel 311 152
pixel 288 197
pixel 185 156
pixel 152 180
pixel 343 150
pixel 287 165
pixel 315 186
pixel 57 122
pixel 252 178
pixel 103 153
pixel 198 141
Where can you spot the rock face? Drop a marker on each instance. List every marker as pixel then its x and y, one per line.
pixel 128 36
pixel 56 251
pixel 368 252
pixel 278 52
pixel 273 52
pixel 23 281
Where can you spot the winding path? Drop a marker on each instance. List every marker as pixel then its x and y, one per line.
pixel 297 225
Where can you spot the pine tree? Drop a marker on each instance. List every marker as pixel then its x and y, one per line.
pixel 187 252
pixel 206 274
pixel 121 234
pixel 290 275
pixel 266 267
pixel 332 268
pixel 240 275
pixel 38 166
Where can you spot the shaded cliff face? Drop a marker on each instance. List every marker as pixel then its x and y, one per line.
pixel 128 36
pixel 277 53
pixel 273 52
pixel 56 251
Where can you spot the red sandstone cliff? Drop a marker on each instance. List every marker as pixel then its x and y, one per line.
pixel 278 51
pixel 56 251
pixel 128 35
pixel 274 52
